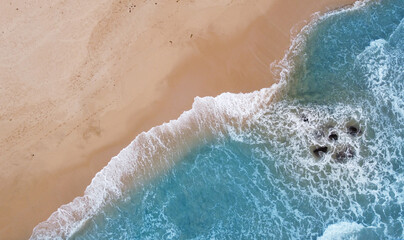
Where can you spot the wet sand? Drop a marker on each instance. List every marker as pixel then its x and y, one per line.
pixel 79 81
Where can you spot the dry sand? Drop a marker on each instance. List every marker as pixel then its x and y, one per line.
pixel 80 79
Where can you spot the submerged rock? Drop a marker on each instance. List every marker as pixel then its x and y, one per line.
pixel 342 156
pixel 318 134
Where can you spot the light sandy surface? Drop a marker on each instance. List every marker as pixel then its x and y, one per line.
pixel 80 79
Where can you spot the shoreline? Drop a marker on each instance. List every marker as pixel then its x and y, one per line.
pixel 109 129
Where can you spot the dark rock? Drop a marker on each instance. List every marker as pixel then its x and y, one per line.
pixel 333 136
pixel 352 130
pixel 319 151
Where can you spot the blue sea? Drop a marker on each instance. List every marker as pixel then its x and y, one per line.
pixel 320 155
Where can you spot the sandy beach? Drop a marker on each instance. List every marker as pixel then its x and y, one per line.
pixel 79 81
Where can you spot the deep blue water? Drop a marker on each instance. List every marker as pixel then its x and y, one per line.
pixel 267 182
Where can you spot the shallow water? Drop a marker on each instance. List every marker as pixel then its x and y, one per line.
pixel 264 180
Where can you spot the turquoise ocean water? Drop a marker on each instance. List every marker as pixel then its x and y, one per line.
pixel 318 156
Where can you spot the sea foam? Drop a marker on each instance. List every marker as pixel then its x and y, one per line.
pixel 342 231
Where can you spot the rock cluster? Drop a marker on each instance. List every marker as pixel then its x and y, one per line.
pixel 340 152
